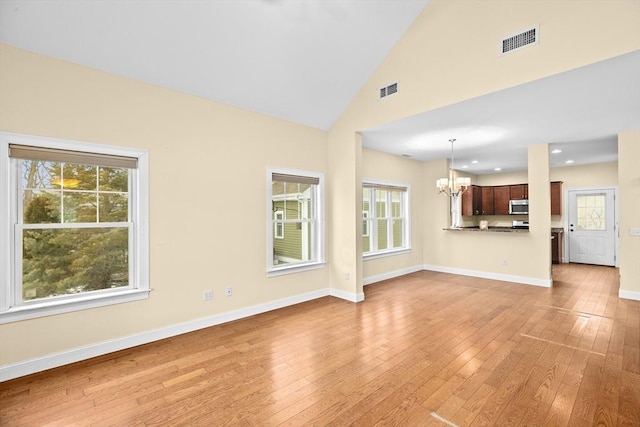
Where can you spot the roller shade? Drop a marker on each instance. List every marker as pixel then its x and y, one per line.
pixel 383 187
pixel 26 152
pixel 297 179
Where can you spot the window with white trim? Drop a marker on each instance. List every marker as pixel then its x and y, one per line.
pixel 385 218
pixel 76 218
pixel 278 224
pixel 296 230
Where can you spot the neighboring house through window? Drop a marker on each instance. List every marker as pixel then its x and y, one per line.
pixel 278 224
pixel 295 207
pixel 76 216
pixel 385 218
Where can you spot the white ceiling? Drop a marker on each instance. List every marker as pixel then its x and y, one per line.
pixel 304 61
pixel 580 112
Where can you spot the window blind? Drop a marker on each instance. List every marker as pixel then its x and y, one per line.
pixel 26 152
pixel 297 179
pixel 383 187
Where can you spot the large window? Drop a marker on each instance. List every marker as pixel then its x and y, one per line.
pixel 76 220
pixel 385 220
pixel 296 233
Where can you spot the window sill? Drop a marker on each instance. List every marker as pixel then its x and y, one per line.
pixel 375 255
pixel 290 269
pixel 48 308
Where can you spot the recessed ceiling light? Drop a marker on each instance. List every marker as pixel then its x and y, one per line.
pixel 556 151
pixel 465 167
pixel 474 161
pixel 497 169
pixel 569 161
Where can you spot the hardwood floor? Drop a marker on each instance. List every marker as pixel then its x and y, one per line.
pixel 428 348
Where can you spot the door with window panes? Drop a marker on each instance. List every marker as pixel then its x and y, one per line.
pixel 592 226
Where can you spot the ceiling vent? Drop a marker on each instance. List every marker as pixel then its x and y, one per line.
pixel 389 90
pixel 518 41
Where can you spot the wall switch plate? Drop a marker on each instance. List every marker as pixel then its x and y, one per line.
pixel 634 232
pixel 207 295
pixel 229 291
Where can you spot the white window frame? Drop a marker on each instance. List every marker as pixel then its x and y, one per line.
pixel 318 223
pixel 366 223
pixel 9 204
pixel 277 224
pixel 370 217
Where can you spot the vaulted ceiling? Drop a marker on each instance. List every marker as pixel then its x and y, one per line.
pixel 304 61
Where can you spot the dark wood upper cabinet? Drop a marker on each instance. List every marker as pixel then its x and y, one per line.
pixel 556 198
pixel 472 201
pixel 494 200
pixel 487 201
pixel 477 199
pixel 501 197
pixel 519 192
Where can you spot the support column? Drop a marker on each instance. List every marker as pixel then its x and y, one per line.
pixel 629 215
pixel 540 210
pixel 344 237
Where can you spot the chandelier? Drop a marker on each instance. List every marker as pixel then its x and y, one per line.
pixel 453 186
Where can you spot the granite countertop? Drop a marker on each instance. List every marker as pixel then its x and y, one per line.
pixel 491 229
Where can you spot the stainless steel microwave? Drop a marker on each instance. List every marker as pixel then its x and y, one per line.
pixel 518 207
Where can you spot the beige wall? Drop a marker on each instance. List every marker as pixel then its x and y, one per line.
pixel 629 203
pixel 450 55
pixel 194 146
pixel 447 56
pixel 583 176
pixel 385 167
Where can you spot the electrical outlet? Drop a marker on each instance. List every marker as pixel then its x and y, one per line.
pixel 229 291
pixel 207 295
pixel 346 276
pixel 505 261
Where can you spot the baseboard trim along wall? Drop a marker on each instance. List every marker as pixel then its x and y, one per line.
pixel 629 295
pixel 55 360
pixel 493 276
pixel 359 297
pixel 392 274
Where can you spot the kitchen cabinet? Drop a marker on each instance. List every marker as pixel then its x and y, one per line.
pixel 556 198
pixel 494 200
pixel 519 192
pixel 487 201
pixel 472 201
pixel 501 197
pixel 556 246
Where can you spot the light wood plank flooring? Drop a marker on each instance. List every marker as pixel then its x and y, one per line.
pixel 424 349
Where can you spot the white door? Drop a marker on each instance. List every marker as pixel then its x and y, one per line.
pixel 592 227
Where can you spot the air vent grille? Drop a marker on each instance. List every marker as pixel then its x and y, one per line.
pixel 389 90
pixel 520 40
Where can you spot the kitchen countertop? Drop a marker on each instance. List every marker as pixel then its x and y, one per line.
pixel 490 229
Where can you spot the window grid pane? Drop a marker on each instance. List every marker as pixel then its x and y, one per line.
pixel 384 225
pixel 591 212
pixel 294 220
pixel 69 260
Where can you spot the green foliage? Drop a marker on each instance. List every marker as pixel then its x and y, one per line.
pixel 60 261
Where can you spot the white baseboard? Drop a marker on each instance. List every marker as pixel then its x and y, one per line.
pixel 392 274
pixel 634 295
pixel 359 297
pixel 31 366
pixel 493 276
